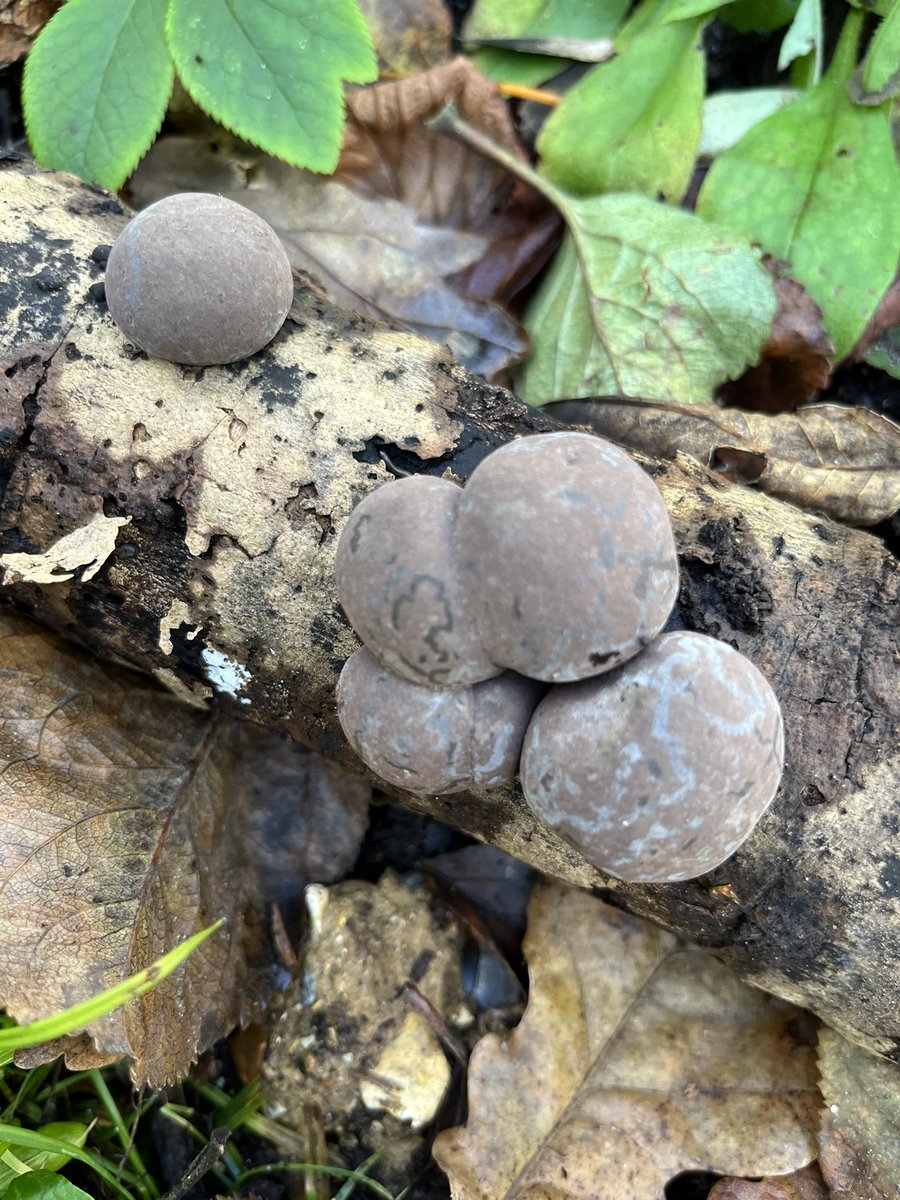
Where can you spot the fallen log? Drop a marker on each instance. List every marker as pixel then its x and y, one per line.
pixel 208 503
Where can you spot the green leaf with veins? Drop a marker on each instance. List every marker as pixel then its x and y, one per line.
pixel 96 85
pixel 810 185
pixel 273 72
pixel 881 68
pixel 632 124
pixel 44 1185
pixel 644 300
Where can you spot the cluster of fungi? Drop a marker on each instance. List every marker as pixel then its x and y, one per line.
pixel 511 627
pixel 514 627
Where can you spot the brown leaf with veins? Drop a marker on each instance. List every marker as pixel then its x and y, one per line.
pixel 20 23
pixel 127 823
pixel 409 35
pixel 801 1185
pixel 637 1058
pixel 795 362
pixel 844 462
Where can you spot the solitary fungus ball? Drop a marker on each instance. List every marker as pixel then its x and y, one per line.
pixel 658 771
pixel 566 550
pixel 399 585
pixel 198 279
pixel 432 740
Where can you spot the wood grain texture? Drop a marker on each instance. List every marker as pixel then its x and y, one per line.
pixel 238 481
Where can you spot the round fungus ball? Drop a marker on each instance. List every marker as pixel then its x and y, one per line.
pixel 565 547
pixel 658 771
pixel 432 740
pixel 399 586
pixel 198 279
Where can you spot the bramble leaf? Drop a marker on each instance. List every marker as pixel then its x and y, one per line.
pixel 96 86
pixel 644 300
pixel 44 1185
pixel 809 184
pixel 273 73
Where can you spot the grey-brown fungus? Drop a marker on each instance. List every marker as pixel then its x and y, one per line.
pixel 198 279
pixel 399 585
pixel 658 771
pixel 567 555
pixel 434 740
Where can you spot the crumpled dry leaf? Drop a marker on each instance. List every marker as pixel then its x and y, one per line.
pixel 844 462
pixel 128 822
pixel 859 1140
pixel 795 362
pixel 20 23
pixel 637 1058
pixel 409 35
pixel 801 1185
pixel 413 228
pixel 353 1037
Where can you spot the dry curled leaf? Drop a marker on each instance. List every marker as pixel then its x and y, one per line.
pixel 127 823
pixel 844 462
pixel 859 1140
pixel 795 362
pixel 637 1058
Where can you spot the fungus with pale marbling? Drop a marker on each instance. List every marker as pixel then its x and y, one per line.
pixel 566 553
pixel 658 771
pixel 399 586
pixel 198 279
pixel 434 740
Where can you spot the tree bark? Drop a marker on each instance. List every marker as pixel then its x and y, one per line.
pixel 236 482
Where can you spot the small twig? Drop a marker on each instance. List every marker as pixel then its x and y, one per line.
pixel 205 1161
pixel 518 91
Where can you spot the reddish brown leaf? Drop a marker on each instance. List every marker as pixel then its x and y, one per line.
pixel 885 315
pixel 795 362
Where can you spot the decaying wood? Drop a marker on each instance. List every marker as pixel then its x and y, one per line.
pixel 236 482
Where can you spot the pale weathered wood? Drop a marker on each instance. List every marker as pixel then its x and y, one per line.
pixel 237 482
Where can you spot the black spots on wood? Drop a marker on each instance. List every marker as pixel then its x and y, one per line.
pixel 279 385
pixel 723 589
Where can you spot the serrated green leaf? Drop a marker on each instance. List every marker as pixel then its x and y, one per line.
pixel 813 185
pixel 632 124
pixel 96 85
pixel 881 68
pixel 44 1185
pixel 273 72
pixel 644 300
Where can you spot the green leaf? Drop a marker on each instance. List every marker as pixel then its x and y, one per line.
pixel 760 15
pixel 96 86
pixel 72 1019
pixel 881 68
pixel 884 353
pixel 644 300
pixel 508 66
pixel 272 71
pixel 879 7
pixel 67 1133
pixel 492 19
pixel 727 116
pixel 44 1185
pixel 805 36
pixel 34 1139
pixel 812 185
pixel 632 124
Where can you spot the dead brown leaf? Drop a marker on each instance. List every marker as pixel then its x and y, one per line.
pixel 885 316
pixel 128 822
pixel 859 1140
pixel 20 23
pixel 637 1058
pixel 801 1185
pixel 796 360
pixel 409 35
pixel 844 462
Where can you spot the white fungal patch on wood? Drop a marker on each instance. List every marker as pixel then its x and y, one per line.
pixel 225 675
